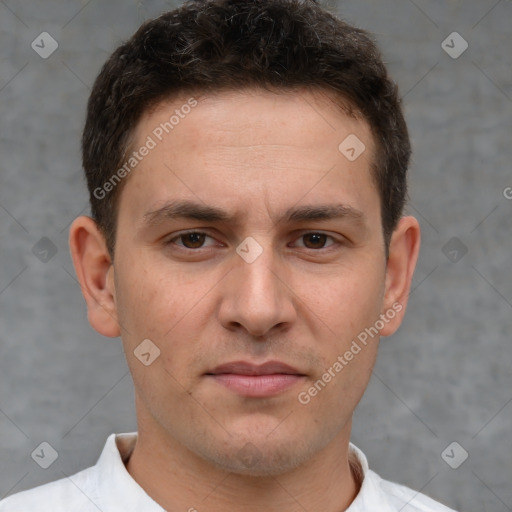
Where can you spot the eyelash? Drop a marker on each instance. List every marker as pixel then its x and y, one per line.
pixel 183 234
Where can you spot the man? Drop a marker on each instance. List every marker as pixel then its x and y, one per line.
pixel 246 162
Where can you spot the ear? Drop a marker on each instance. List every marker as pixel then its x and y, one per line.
pixel 95 272
pixel 403 253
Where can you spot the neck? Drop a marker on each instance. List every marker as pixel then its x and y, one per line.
pixel 177 479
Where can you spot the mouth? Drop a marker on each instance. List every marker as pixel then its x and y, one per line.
pixel 247 379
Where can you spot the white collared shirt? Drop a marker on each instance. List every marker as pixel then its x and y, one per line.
pixel 108 487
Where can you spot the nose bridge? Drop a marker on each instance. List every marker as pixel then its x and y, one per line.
pixel 257 269
pixel 256 297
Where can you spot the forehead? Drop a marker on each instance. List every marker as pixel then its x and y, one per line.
pixel 281 114
pixel 250 149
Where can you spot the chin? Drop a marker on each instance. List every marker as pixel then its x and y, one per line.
pixel 260 457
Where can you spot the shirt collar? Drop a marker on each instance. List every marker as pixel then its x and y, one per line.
pixel 371 496
pixel 117 489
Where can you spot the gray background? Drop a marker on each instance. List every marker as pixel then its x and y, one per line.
pixel 445 376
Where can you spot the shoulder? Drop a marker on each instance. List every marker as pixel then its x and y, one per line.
pixel 405 499
pixel 76 492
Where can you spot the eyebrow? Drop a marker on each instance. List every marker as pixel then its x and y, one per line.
pixel 186 209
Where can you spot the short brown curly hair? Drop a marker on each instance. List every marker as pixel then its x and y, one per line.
pixel 212 45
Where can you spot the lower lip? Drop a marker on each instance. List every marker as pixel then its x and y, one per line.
pixel 257 385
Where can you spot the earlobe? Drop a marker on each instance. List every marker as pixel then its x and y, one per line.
pixel 403 255
pixel 94 270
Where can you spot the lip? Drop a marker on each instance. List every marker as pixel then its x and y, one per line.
pixel 246 368
pixel 253 380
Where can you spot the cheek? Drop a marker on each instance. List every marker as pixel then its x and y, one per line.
pixel 137 297
pixel 347 308
pixel 154 306
pixel 151 298
pixel 346 301
pixel 168 307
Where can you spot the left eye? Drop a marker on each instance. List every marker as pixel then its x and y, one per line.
pixel 315 240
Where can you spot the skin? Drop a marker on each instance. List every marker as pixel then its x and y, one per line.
pixel 254 154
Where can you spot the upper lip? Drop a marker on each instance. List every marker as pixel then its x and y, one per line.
pixel 246 368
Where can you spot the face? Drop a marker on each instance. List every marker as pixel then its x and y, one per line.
pixel 246 235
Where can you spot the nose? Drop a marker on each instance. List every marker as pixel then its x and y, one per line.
pixel 256 296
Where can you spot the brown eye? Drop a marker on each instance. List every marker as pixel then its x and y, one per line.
pixel 193 240
pixel 315 240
